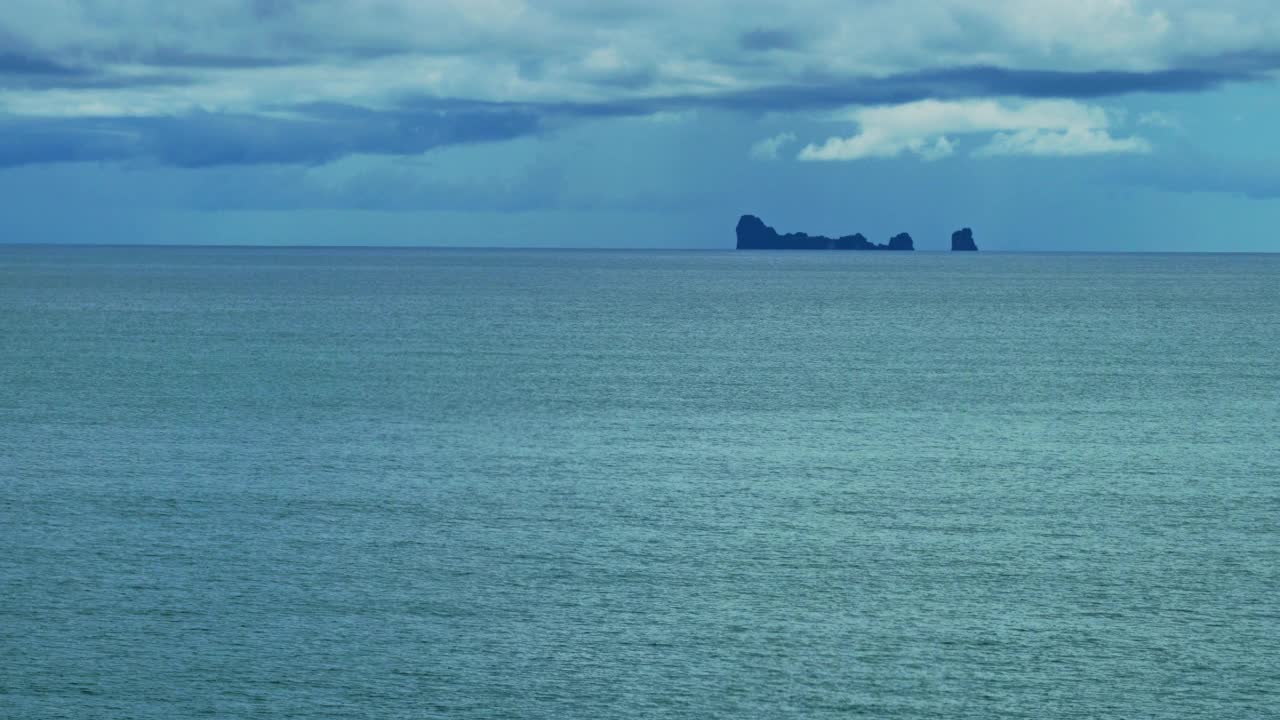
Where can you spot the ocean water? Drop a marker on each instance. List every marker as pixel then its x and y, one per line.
pixel 340 483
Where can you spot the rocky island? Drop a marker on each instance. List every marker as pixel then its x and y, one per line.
pixel 753 234
pixel 962 241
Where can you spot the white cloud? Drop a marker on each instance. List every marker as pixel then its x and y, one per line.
pixel 768 148
pixel 875 141
pixel 940 148
pixel 1053 143
pixel 1045 127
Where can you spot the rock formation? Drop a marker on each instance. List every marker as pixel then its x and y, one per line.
pixel 901 241
pixel 753 234
pixel 962 241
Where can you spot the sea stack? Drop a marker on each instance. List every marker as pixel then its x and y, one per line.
pixel 901 241
pixel 753 234
pixel 962 241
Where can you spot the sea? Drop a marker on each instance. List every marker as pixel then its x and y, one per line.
pixel 428 483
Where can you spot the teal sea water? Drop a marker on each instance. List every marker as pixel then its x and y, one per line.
pixel 339 483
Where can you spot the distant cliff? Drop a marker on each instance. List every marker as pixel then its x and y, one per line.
pixel 753 234
pixel 962 241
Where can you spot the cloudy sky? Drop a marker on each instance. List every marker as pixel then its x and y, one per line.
pixel 1044 124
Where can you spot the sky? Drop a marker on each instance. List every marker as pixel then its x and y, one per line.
pixel 1124 125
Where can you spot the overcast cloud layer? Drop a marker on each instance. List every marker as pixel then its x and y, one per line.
pixel 279 83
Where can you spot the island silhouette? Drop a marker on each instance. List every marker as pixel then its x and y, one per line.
pixel 962 241
pixel 753 234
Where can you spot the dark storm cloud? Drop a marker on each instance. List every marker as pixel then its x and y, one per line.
pixel 90 81
pixel 972 81
pixel 34 71
pixel 816 93
pixel 316 134
pixel 178 58
pixel 16 63
pixel 321 132
pixel 969 82
pixel 1253 62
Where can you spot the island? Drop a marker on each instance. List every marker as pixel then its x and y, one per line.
pixel 753 234
pixel 962 241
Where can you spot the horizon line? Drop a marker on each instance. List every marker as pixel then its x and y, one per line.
pixel 563 248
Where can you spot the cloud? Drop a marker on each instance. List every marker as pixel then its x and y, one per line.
pixel 956 83
pixel 131 122
pixel 176 58
pixel 924 128
pixel 1061 143
pixel 36 73
pixel 879 142
pixel 712 51
pixel 15 63
pixel 233 71
pixel 768 148
pixel 300 135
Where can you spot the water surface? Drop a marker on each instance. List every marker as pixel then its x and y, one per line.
pixel 309 483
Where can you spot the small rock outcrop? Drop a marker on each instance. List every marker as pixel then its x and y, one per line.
pixel 962 241
pixel 901 241
pixel 753 234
